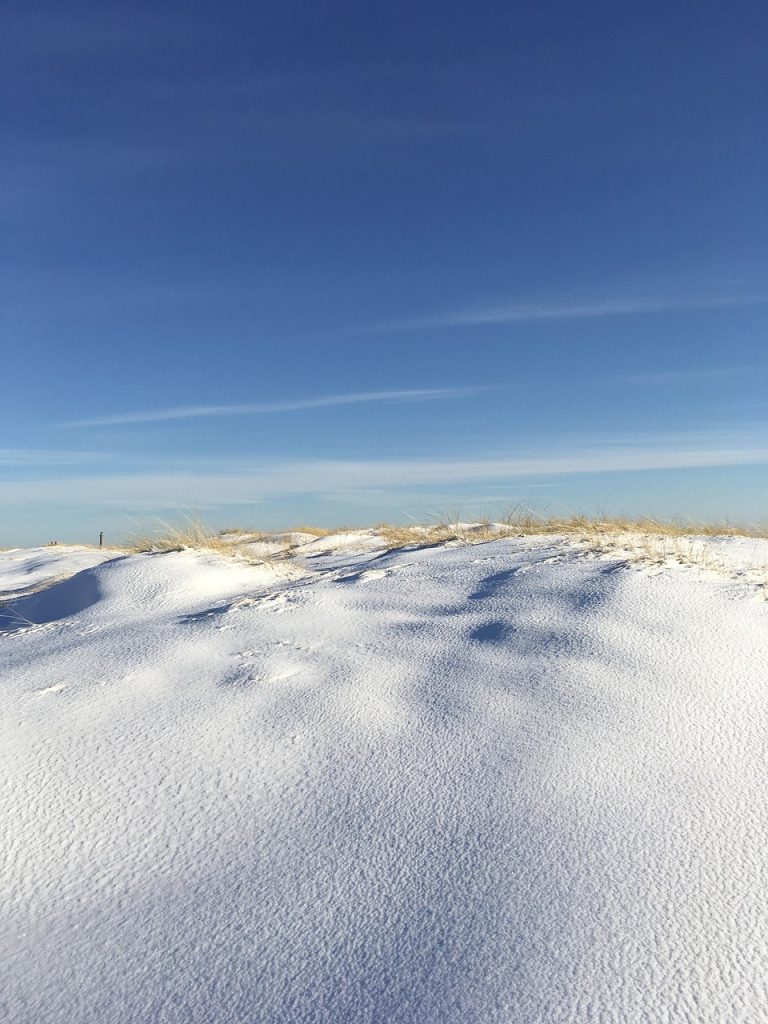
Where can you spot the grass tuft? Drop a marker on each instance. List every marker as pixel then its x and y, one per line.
pixel 315 531
pixel 643 540
pixel 596 532
pixel 195 535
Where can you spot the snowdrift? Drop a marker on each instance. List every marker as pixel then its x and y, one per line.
pixel 498 783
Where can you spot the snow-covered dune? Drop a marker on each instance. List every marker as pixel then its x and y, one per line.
pixel 494 783
pixel 23 570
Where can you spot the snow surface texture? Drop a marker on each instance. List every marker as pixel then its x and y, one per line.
pixel 501 783
pixel 23 570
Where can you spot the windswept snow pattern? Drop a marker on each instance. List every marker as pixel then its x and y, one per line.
pixel 498 783
pixel 23 570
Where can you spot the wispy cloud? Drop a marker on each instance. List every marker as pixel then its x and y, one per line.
pixel 186 412
pixel 740 406
pixel 681 376
pixel 33 457
pixel 263 480
pixel 563 309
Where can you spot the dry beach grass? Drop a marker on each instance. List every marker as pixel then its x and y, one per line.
pixel 643 540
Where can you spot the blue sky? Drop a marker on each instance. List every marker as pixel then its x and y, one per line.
pixel 339 262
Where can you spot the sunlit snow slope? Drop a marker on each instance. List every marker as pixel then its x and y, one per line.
pixel 501 783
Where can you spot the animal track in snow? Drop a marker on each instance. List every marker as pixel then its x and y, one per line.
pixel 366 575
pixel 277 603
pixel 249 675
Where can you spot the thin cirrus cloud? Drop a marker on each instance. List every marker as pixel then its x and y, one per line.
pixel 186 412
pixel 40 457
pixel 558 309
pixel 271 479
pixel 683 376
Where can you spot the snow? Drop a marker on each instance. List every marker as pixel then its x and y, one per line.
pixel 347 542
pixel 744 557
pixel 24 569
pixel 497 783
